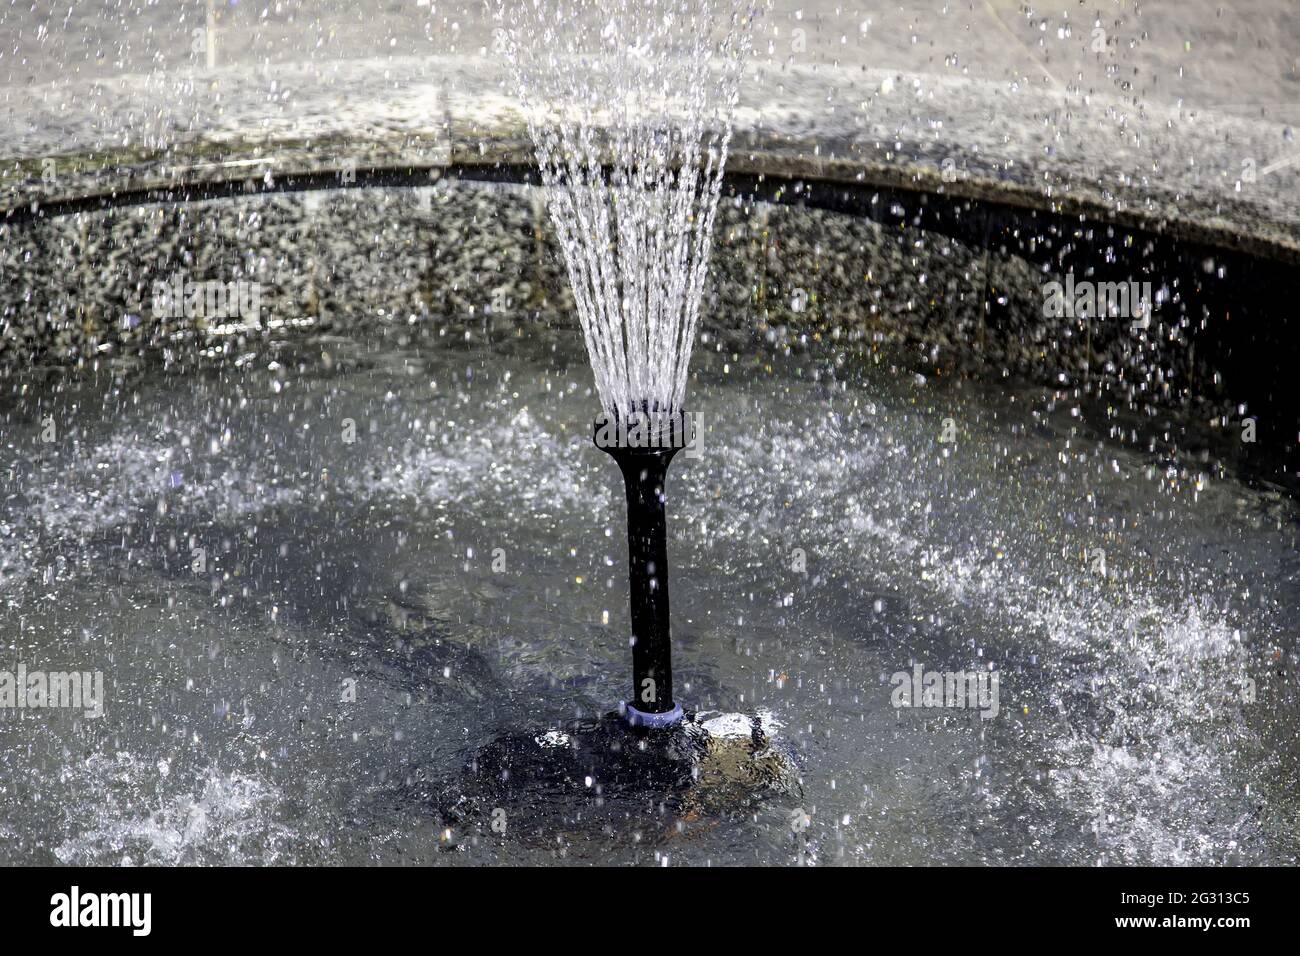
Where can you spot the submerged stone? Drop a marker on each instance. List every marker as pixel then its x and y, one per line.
pixel 598 778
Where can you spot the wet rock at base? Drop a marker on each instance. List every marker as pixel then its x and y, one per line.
pixel 597 779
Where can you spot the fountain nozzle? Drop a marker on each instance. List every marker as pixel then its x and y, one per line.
pixel 643 444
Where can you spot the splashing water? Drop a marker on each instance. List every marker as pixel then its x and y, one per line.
pixel 629 106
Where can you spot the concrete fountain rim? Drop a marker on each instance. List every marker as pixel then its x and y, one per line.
pixel 1104 158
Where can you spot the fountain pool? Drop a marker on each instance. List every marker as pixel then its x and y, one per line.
pixel 323 559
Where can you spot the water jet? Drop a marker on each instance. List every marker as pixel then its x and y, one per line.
pixel 631 131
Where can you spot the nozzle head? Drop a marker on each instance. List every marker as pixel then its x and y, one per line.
pixel 644 431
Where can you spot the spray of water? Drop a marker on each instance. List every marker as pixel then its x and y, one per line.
pixel 629 105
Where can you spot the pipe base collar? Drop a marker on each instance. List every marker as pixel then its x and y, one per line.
pixel 640 718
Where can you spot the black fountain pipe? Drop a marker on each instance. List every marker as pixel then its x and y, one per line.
pixel 643 458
